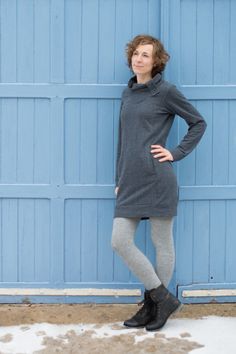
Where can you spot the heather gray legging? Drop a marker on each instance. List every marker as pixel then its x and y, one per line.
pixel 162 237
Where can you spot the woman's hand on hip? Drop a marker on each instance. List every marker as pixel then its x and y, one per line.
pixel 116 190
pixel 158 151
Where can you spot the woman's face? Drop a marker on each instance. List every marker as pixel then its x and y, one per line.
pixel 142 59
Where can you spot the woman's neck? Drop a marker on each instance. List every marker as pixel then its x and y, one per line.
pixel 142 79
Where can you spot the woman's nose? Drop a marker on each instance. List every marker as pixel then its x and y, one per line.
pixel 139 58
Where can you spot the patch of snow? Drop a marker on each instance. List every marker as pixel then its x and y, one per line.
pixel 217 334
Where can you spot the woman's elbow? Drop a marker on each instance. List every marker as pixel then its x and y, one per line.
pixel 203 125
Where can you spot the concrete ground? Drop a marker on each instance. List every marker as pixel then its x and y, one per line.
pixel 94 328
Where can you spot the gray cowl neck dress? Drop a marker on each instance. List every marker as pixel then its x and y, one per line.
pixel 148 187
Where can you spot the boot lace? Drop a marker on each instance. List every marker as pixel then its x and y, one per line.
pixel 144 303
pixel 158 308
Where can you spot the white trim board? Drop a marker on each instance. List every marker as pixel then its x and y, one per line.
pixel 69 292
pixel 208 292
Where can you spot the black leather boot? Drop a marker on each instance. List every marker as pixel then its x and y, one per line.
pixel 166 304
pixel 145 314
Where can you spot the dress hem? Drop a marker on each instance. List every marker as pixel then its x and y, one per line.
pixel 142 213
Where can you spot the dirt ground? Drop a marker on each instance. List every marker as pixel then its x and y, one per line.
pixel 16 314
pixel 99 315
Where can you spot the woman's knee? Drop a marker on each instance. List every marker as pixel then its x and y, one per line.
pixel 120 242
pixel 115 243
pixel 116 239
pixel 123 233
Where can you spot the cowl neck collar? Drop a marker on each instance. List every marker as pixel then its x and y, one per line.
pixel 152 85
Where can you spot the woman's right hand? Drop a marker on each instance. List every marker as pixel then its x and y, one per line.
pixel 116 190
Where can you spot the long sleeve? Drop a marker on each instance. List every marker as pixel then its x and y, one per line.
pixel 118 150
pixel 177 103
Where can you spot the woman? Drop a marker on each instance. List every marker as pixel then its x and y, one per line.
pixel 146 185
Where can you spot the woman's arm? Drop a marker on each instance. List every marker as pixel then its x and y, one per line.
pixel 177 103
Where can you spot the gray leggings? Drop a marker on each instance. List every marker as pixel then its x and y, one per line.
pixel 162 237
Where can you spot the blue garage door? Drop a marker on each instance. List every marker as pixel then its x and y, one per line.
pixel 62 71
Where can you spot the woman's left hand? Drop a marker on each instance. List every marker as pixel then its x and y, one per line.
pixel 161 152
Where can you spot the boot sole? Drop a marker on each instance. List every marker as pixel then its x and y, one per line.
pixel 138 326
pixel 174 311
pixel 133 326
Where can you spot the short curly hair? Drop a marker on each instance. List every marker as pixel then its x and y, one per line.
pixel 160 55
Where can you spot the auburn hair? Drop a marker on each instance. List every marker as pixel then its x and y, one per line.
pixel 160 55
